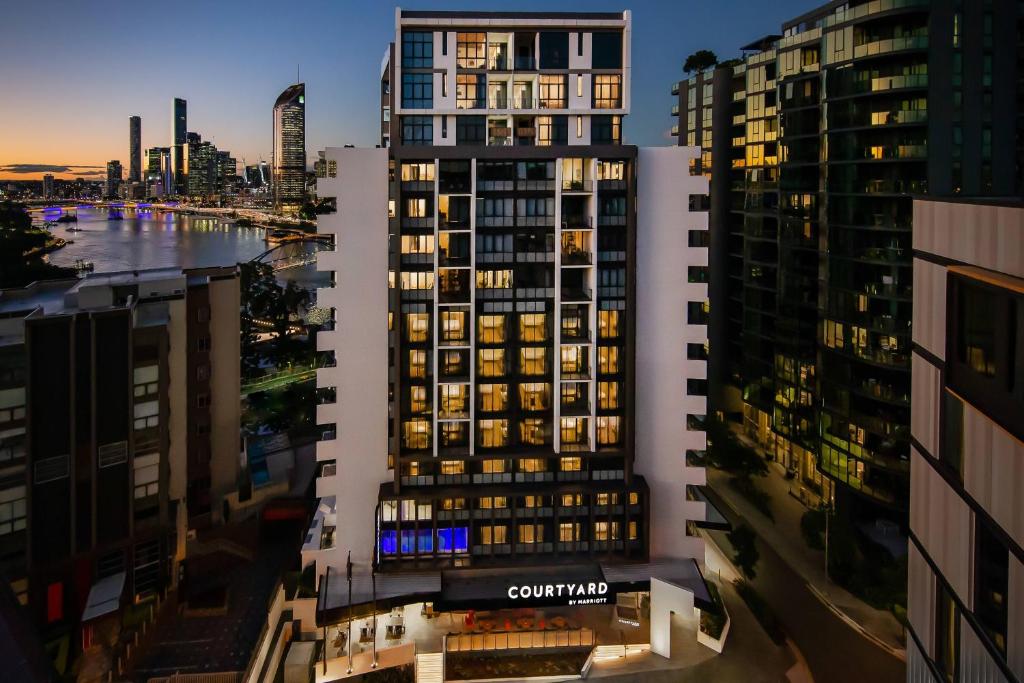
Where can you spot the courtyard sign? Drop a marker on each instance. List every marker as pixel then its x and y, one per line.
pixel 590 593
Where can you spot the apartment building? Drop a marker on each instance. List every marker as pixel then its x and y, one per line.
pixel 515 422
pixel 966 566
pixel 817 139
pixel 119 430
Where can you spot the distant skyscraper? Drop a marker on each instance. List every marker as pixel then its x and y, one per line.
pixel 113 184
pixel 47 186
pixel 179 123
pixel 290 148
pixel 134 149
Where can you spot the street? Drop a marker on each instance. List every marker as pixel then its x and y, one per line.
pixel 834 651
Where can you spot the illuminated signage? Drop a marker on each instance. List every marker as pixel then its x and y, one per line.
pixel 591 593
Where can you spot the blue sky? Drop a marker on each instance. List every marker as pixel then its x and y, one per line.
pixel 74 71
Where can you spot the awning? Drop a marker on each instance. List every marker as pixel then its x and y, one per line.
pixel 104 597
pixel 713 517
pixel 502 588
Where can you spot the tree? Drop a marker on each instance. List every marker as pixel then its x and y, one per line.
pixel 727 453
pixel 700 60
pixel 745 555
pixel 22 249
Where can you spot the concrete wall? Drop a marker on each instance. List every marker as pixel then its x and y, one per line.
pixel 359 342
pixel 668 601
pixel 225 389
pixel 663 331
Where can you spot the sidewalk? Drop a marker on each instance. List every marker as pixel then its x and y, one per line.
pixel 784 536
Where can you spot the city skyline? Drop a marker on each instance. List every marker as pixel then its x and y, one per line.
pixel 37 137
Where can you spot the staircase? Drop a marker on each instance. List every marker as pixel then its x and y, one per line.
pixel 430 668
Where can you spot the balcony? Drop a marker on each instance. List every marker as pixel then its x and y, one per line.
pixel 577 185
pixel 577 222
pixel 675 110
pixel 577 294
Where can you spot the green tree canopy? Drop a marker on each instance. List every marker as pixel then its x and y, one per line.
pixel 21 249
pixel 700 60
pixel 745 555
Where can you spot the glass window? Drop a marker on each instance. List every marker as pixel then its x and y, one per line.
pixel 991 583
pixel 608 360
pixel 608 324
pixel 606 50
pixel 531 533
pixel 533 361
pixel 415 172
pixel 492 433
pixel 534 396
pixel 491 362
pixel 416 434
pixel 554 50
pixel 491 329
pixel 552 130
pixel 552 91
pixel 976 343
pixel 608 395
pixel 947 634
pixel 608 430
pixel 470 50
pixel 493 397
pixel 417 49
pixel 534 431
pixel 568 531
pixel 417 327
pixel 417 130
pixel 533 327
pixel 606 130
pixel 453 327
pixel 607 91
pixel 417 90
pixel 470 130
pixel 470 91
pixel 13 511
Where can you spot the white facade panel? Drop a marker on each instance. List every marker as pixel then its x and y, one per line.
pixel 920 599
pixel 662 368
pixel 929 318
pixel 1015 623
pixel 943 523
pixel 995 244
pixel 359 341
pixel 994 471
pixel 926 388
pixel 976 664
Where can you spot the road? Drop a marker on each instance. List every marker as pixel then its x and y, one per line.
pixel 835 652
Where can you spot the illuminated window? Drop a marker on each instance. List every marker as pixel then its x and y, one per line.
pixel 417 327
pixel 453 327
pixel 470 50
pixel 492 535
pixel 493 466
pixel 608 430
pixel 568 532
pixel 608 360
pixel 608 324
pixel 417 244
pixel 417 280
pixel 632 531
pixel 490 329
pixel 634 498
pixel 415 207
pixel 388 510
pixel 606 531
pixel 415 172
pixel 491 362
pixel 454 400
pixel 571 464
pixel 531 533
pixel 607 91
pixel 492 433
pixel 493 397
pixel 454 434
pixel 416 434
pixel 533 465
pixel 494 279
pixel 552 91
pixel 470 91
pixel 418 399
pixel 533 361
pixel 534 432
pixel 574 431
pixel 608 395
pixel 417 364
pixel 533 327
pixel 534 396
pixel 611 170
pixel 497 502
pixel 572 500
pixel 453 504
pixel 573 360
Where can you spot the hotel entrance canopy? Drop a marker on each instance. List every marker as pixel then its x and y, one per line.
pixel 490 589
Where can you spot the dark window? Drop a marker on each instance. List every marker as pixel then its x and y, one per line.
pixel 606 130
pixel 985 354
pixel 951 451
pixel 417 130
pixel 554 50
pixel 696 352
pixel 444 126
pixel 444 44
pixel 991 583
pixel 417 49
pixel 470 91
pixel 417 91
pixel 470 130
pixel 947 634
pixel 606 50
pixel 552 130
pixel 579 44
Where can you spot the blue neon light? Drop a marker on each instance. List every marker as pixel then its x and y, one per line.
pixel 389 542
pixel 444 539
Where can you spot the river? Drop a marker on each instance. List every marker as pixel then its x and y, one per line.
pixel 145 239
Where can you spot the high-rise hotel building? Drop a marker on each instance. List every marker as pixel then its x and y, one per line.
pixel 519 328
